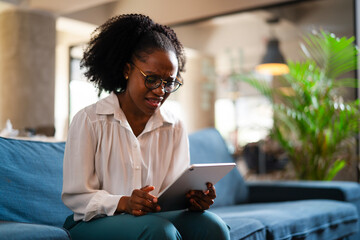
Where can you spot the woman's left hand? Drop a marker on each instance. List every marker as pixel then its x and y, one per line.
pixel 201 200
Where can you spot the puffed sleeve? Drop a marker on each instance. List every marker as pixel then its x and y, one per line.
pixel 81 187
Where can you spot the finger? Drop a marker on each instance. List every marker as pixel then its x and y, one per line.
pixel 212 191
pixel 144 193
pixel 147 188
pixel 195 206
pixel 149 196
pixel 144 204
pixel 142 208
pixel 204 201
pixel 201 196
pixel 190 193
pixel 200 199
pixel 200 193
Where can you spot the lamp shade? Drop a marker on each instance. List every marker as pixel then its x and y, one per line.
pixel 273 62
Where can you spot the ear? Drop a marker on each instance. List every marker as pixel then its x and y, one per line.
pixel 126 71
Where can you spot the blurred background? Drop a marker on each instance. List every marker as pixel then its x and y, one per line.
pixel 42 86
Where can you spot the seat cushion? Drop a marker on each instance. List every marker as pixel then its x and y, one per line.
pixel 26 231
pixel 208 146
pixel 245 228
pixel 313 219
pixel 31 182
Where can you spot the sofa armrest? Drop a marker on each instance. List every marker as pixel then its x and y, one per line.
pixel 275 191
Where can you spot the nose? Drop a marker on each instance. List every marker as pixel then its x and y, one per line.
pixel 160 91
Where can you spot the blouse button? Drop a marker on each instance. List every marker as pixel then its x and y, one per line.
pixel 137 167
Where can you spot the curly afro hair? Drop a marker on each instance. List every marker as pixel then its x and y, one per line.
pixel 118 41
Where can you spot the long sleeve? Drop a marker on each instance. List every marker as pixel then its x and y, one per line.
pixel 81 185
pixel 180 156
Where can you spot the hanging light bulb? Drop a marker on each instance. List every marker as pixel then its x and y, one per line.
pixel 273 62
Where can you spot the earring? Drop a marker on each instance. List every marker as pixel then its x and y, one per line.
pixel 126 77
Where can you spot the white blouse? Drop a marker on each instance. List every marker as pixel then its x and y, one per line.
pixel 104 160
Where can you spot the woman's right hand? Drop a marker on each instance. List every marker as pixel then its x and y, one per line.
pixel 139 203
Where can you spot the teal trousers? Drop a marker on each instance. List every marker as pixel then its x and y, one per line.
pixel 160 226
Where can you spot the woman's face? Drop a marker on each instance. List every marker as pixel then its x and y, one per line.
pixel 142 100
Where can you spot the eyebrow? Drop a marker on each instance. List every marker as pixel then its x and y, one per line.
pixel 158 75
pixel 150 73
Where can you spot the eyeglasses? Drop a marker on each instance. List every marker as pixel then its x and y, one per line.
pixel 153 82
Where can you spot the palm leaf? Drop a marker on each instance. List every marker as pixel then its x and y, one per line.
pixel 346 82
pixel 336 56
pixel 337 166
pixel 313 122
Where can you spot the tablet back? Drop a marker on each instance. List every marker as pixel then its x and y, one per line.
pixel 193 178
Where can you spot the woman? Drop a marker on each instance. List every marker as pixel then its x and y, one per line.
pixel 123 150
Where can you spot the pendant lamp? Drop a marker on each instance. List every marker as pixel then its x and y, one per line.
pixel 273 62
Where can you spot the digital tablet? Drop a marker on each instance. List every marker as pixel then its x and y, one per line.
pixel 194 177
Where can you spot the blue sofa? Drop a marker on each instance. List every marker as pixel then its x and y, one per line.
pixel 31 207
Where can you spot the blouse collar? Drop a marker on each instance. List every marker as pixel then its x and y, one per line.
pixel 110 106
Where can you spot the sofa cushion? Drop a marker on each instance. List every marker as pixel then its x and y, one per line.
pixel 313 219
pixel 26 231
pixel 208 146
pixel 31 182
pixel 245 228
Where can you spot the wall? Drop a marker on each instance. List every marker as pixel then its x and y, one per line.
pixel 197 95
pixel 69 33
pixel 27 59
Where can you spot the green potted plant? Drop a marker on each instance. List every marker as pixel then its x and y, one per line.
pixel 312 121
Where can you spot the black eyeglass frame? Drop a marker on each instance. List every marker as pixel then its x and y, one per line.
pixel 160 83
